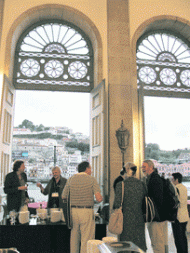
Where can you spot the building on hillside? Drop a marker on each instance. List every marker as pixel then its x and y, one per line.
pixel 184 158
pixel 21 131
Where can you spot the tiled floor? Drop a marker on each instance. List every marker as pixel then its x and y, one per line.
pixel 170 243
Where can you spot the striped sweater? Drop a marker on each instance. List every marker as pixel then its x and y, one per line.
pixel 82 189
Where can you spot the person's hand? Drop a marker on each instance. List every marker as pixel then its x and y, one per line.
pixel 26 201
pixel 38 185
pixel 98 197
pixel 22 188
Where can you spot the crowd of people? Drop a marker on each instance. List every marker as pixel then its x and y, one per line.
pixel 134 193
pixel 82 188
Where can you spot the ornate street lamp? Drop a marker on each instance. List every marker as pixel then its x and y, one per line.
pixel 122 135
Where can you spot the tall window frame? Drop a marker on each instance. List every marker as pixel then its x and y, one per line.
pixel 163 65
pixel 54 55
pixel 152 66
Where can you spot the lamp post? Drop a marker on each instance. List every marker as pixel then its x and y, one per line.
pixel 122 135
pixel 54 157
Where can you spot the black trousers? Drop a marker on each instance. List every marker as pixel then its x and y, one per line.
pixel 180 238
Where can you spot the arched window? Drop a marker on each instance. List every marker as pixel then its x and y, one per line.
pixel 163 71
pixel 54 56
pixel 163 62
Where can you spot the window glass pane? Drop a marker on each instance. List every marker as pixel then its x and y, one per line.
pixel 167 135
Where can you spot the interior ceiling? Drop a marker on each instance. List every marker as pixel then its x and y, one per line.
pixel 182 29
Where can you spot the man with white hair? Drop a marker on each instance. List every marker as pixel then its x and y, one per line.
pixel 155 192
pixel 54 189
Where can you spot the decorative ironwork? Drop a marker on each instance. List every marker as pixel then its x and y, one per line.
pixel 30 67
pixel 168 76
pixel 147 75
pixel 54 68
pixel 54 53
pixel 163 60
pixel 77 70
pixel 185 77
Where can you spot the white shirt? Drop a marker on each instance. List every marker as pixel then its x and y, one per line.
pixel 182 214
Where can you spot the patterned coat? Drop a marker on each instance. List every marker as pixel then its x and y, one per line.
pixel 133 223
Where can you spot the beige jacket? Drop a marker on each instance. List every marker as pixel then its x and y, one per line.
pixel 182 214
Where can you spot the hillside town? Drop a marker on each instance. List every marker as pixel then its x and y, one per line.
pixel 41 150
pixel 44 147
pixel 168 162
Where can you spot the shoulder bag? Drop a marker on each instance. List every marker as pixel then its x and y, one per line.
pixel 149 209
pixel 67 210
pixel 115 225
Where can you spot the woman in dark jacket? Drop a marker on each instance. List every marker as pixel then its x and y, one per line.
pixel 15 187
pixel 134 193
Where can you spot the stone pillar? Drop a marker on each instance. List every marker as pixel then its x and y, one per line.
pixel 1 17
pixel 1 89
pixel 1 28
pixel 119 84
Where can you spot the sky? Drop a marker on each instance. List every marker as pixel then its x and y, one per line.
pixel 53 109
pixel 167 120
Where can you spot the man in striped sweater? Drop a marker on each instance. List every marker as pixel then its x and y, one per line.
pixel 83 187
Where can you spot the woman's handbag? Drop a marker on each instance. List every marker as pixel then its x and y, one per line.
pixel 115 225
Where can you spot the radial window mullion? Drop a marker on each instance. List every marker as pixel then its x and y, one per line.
pixel 70 39
pixel 157 43
pixel 64 35
pixel 52 33
pixel 153 46
pixel 54 54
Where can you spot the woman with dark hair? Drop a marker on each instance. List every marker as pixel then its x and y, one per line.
pixel 134 193
pixel 120 178
pixel 15 187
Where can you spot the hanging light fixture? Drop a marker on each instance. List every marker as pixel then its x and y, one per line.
pixel 122 135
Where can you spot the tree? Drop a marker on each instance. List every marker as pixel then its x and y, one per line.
pixel 27 124
pixel 72 144
pixel 40 128
pixel 83 147
pixel 154 155
pixel 152 151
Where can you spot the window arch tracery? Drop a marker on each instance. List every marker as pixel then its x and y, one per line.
pixel 54 55
pixel 163 64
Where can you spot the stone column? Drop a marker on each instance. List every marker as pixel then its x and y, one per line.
pixel 1 17
pixel 119 84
